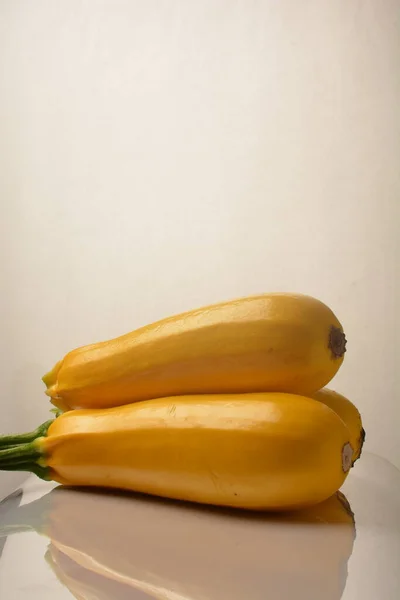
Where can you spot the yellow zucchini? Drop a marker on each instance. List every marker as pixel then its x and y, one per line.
pixel 257 451
pixel 348 413
pixel 273 342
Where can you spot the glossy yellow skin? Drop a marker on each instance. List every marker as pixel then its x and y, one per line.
pixel 258 451
pixel 272 342
pixel 348 413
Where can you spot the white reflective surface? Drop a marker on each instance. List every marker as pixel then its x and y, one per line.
pixel 98 546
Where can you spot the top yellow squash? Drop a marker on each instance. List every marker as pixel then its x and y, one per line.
pixel 272 342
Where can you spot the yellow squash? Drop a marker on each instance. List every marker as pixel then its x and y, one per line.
pixel 348 413
pixel 258 451
pixel 273 342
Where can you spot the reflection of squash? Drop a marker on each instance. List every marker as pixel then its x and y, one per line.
pixel 172 550
pixel 348 413
pixel 90 585
pixel 87 585
pixel 273 342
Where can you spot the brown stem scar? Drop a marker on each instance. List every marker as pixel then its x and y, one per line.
pixel 337 342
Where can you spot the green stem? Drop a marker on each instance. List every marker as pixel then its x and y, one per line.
pixel 24 438
pixel 30 467
pixel 19 454
pixel 22 453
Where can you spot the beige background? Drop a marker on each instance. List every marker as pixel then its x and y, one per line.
pixel 160 155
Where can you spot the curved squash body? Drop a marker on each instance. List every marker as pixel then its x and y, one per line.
pixel 348 413
pixel 273 342
pixel 258 451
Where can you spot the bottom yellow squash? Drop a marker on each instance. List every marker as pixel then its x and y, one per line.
pixel 256 451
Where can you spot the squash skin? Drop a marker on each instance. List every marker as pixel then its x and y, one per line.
pixel 272 342
pixel 257 451
pixel 349 413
